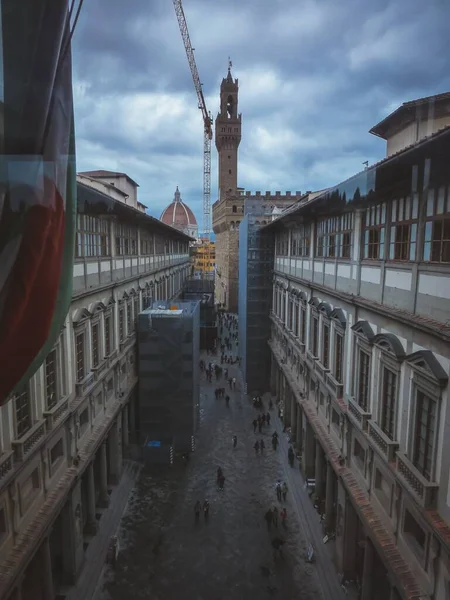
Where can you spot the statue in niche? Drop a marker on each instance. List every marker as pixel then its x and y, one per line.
pixel 78 522
pixel 342 426
pixel 44 468
pixel 77 429
pixel 12 496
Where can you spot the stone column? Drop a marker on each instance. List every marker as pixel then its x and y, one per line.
pixel 125 425
pixel 104 496
pixel 132 419
pixel 273 374
pixel 91 525
pixel 350 537
pixel 287 405
pixel 308 454
pixel 329 499
pixel 394 595
pixel 46 565
pixel 294 409
pixel 299 437
pixel 366 587
pixel 17 594
pixel 115 451
pixel 319 471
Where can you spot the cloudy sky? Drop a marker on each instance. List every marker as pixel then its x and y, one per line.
pixel 314 76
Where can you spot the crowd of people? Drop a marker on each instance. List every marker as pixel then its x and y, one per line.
pixel 227 337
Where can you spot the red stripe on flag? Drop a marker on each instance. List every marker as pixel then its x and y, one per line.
pixel 32 293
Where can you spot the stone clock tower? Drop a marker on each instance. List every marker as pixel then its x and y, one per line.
pixel 228 136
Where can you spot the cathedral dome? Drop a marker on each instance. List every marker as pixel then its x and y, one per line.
pixel 180 216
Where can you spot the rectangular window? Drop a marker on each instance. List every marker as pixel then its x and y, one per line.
pixel 57 451
pixel 315 336
pixel 335 420
pixel 92 237
pixel 402 244
pixel 79 348
pixel 84 420
pixel 359 454
pixel 334 236
pixel 303 324
pixel 28 490
pixel 296 319
pixel 3 524
pixel 425 428
pixel 290 314
pixel 326 346
pixel 363 380
pixel 23 412
pixel 338 358
pixel 437 226
pixel 374 227
pixel 146 244
pixel 129 319
pixel 388 403
pixel 300 241
pixel 121 324
pixel 95 348
pixel 126 240
pixel 107 335
pixel 51 384
pixel 136 311
pixel 414 532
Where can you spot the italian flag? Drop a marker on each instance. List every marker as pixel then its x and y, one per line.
pixel 38 185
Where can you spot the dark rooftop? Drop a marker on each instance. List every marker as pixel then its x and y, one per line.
pixel 405 113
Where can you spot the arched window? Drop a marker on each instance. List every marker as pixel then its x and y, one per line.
pixel 230 107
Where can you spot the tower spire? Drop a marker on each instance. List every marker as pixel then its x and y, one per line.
pixel 177 196
pixel 230 64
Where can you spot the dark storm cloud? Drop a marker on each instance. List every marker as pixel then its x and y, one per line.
pixel 314 77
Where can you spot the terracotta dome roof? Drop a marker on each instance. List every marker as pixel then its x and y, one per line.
pixel 178 214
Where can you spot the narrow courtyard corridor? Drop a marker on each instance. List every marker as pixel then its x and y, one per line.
pixel 165 555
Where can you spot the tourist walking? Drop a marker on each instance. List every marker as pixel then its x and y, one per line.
pixel 197 509
pixel 278 490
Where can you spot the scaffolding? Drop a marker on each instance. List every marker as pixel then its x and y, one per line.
pixel 256 256
pixel 169 353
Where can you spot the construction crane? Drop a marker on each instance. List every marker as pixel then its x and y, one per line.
pixel 207 120
pixel 207 126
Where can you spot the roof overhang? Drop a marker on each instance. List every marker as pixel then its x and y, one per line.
pixel 409 112
pixel 93 202
pixel 362 189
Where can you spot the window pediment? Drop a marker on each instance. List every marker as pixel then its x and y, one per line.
pixel 338 315
pixel 315 302
pixel 79 315
pixel 133 292
pixel 125 296
pixel 364 329
pixel 109 302
pixel 390 343
pixel 96 307
pixel 325 308
pixel 426 362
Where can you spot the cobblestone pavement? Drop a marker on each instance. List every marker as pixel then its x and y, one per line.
pixel 165 555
